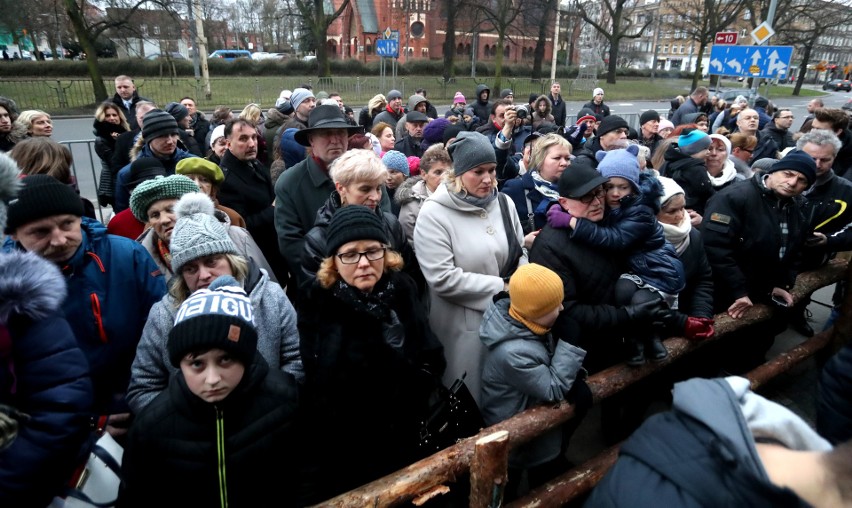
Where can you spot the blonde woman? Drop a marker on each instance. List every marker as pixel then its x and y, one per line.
pixel 34 123
pixel 108 125
pixel 375 106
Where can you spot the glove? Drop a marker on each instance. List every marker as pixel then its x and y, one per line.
pixel 9 421
pixel 557 217
pixel 698 328
pixel 650 311
pixel 574 135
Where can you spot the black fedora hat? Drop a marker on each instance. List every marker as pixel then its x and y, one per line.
pixel 325 117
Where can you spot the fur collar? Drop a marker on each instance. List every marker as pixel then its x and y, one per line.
pixel 30 286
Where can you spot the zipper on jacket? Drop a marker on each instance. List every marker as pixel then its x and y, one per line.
pixel 220 458
pixel 97 260
pixel 96 310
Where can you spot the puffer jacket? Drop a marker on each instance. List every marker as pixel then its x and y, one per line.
pixel 122 194
pixel 277 339
pixel 691 174
pixel 523 370
pixel 43 374
pixel 410 197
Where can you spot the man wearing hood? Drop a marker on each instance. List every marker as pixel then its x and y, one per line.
pixel 417 103
pixel 199 126
pixel 481 105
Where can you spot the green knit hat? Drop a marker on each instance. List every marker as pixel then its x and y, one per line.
pixel 161 187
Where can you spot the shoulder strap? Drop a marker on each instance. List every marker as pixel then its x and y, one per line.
pixel 515 250
pixel 530 213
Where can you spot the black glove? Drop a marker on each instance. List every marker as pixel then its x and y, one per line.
pixel 651 311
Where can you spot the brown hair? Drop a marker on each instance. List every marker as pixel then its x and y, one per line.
pixel 379 128
pixel 658 159
pixel 433 155
pixel 836 117
pixel 743 141
pixel 328 274
pixel 43 156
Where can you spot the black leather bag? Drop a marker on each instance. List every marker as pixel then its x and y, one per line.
pixel 453 415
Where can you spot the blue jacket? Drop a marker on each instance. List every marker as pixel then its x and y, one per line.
pixel 633 228
pixel 44 375
pixel 122 195
pixel 519 189
pixel 112 284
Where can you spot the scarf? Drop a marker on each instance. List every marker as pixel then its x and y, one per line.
pixel 549 190
pixel 729 172
pixel 163 250
pixel 483 203
pixel 678 235
pixel 376 305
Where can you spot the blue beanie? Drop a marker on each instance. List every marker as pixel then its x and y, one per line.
pixel 797 160
pixel 693 141
pixel 622 163
pixel 397 161
pixel 291 151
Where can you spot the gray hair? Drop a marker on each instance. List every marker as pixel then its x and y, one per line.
pixel 820 137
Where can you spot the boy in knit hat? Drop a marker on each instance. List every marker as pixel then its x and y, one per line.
pixel 685 165
pixel 526 366
pixel 656 273
pixel 221 416
pixel 398 171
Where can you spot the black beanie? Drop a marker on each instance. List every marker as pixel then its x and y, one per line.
pixel 452 131
pixel 648 116
pixel 797 160
pixel 42 196
pixel 157 123
pixel 177 110
pixel 352 223
pixel 611 123
pixel 144 168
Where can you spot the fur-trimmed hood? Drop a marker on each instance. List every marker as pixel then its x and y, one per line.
pixel 546 100
pixel 29 286
pixel 406 193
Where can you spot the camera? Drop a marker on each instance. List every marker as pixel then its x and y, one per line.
pixel 521 112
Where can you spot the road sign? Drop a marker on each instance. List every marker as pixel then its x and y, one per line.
pixel 387 48
pixel 762 33
pixel 748 61
pixel 726 37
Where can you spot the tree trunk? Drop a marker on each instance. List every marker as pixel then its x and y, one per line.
pixel 88 45
pixel 539 44
pixel 696 76
pixel 613 59
pixel 450 41
pixel 803 69
pixel 498 64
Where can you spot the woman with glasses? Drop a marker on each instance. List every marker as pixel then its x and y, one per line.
pixel 742 147
pixel 371 360
pixel 720 167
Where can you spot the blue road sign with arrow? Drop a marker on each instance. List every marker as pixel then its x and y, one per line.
pixel 387 48
pixel 751 61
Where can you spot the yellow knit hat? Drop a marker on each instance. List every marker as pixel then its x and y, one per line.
pixel 534 291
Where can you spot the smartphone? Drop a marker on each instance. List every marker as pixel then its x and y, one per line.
pixel 778 300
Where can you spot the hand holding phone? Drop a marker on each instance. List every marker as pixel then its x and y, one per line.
pixel 779 300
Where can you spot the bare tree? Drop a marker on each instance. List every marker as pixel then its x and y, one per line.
pixel 617 23
pixel 316 21
pixel 501 15
pixel 539 14
pixel 451 10
pixel 699 20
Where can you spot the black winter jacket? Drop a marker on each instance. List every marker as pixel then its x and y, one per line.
pixel 766 148
pixel 587 153
pixel 834 400
pixel 691 174
pixel 696 299
pixel 828 209
pixel 559 112
pixel 598 109
pixel 782 137
pixel 482 110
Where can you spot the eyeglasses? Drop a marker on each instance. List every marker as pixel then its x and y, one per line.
pixel 745 149
pixel 595 194
pixel 352 258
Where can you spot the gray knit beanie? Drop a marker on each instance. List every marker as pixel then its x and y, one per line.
pixel 157 123
pixel 470 149
pixel 299 95
pixel 197 232
pixel 9 185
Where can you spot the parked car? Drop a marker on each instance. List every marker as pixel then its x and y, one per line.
pixel 838 84
pixel 230 54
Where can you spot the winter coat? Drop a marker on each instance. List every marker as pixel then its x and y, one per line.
pixel 843 162
pixel 200 128
pixel 828 210
pixel 537 116
pixel 409 146
pixel 246 246
pixel 462 250
pixel 112 284
pixel 481 110
pixel 587 153
pixel 782 137
pixel 316 245
pixel 121 153
pixel 410 197
pixel 277 338
pixel 763 118
pixel 523 370
pixel 399 129
pixel 834 398
pixel 522 191
pixel 389 116
pixel 597 109
pixel 632 228
pixel 691 174
pixel 274 120
pixel 766 148
pixel 43 374
pixel 122 194
pixel 221 450
pixel 696 299
pixel 104 147
pixel 728 176
pixel 371 362
pixel 742 236
pixel 365 118
pixel 559 111
pixel 129 114
pixel 702 452
pixel 688 107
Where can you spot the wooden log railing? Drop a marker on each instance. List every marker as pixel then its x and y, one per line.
pixel 427 477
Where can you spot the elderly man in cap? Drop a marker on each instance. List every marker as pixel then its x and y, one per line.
pixel 393 111
pixel 302 102
pixel 610 135
pixel 415 121
pixel 417 103
pixel 112 284
pixel 754 232
pixel 649 124
pixel 304 188
pixel 160 134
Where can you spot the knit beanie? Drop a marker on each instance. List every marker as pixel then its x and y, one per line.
pixel 597 91
pixel 41 196
pixel 413 165
pixel 648 116
pixel 218 132
pixel 670 189
pixel 9 185
pixel 321 95
pixel 353 223
pixel 797 160
pixel 725 141
pixel 611 123
pixel 469 150
pixel 621 163
pixel 177 110
pixel 459 98
pixel 397 161
pixel 394 94
pixel 433 132
pixel 144 168
pixel 534 291
pixel 693 141
pixel 162 187
pixel 218 317
pixel 586 118
pixel 763 164
pixel 665 124
pixel 452 131
pixel 199 166
pixel 157 123
pixel 299 95
pixel 197 232
pixel 506 92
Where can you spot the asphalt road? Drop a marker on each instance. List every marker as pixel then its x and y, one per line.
pixel 88 165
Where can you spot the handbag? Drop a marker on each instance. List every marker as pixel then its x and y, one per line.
pixel 99 482
pixel 452 416
pixel 515 249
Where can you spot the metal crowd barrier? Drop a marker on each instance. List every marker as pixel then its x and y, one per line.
pixel 478 454
pixel 86 168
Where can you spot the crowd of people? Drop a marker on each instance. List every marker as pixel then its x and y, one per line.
pixel 299 282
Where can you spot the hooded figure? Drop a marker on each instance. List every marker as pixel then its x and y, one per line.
pixel 481 106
